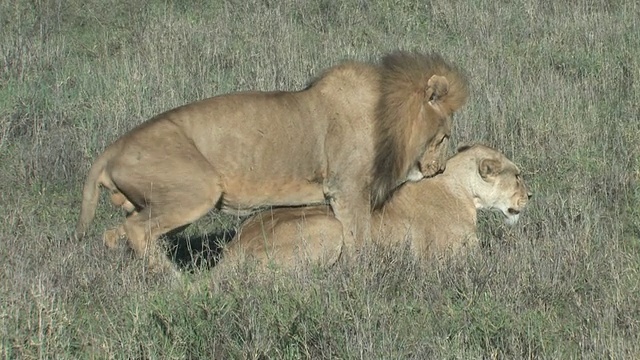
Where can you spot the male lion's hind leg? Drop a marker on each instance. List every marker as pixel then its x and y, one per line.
pixel 112 237
pixel 144 228
pixel 179 203
pixel 176 188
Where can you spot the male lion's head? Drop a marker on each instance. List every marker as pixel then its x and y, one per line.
pixel 419 94
pixel 499 184
pixel 435 154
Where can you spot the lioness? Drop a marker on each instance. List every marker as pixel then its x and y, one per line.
pixel 437 215
pixel 349 138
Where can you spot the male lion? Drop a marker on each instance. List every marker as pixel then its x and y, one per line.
pixel 437 215
pixel 353 135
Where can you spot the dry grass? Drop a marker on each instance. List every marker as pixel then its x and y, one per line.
pixel 555 85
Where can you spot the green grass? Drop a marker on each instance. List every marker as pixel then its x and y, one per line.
pixel 555 85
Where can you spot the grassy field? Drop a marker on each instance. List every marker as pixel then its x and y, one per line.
pixel 555 85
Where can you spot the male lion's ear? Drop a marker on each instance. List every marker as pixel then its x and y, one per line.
pixel 489 168
pixel 437 87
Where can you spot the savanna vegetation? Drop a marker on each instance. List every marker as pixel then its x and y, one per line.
pixel 555 85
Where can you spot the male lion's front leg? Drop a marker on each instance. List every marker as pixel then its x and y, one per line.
pixel 355 215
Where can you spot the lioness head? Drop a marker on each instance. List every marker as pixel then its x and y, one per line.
pixel 499 184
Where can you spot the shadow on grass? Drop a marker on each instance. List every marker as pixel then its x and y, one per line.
pixel 196 252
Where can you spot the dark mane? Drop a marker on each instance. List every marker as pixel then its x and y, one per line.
pixel 404 83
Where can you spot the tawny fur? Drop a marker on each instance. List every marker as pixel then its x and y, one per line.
pixel 437 215
pixel 352 133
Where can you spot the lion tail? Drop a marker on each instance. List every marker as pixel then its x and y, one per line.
pixel 91 194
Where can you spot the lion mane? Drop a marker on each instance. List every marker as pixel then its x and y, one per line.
pixel 348 139
pixel 407 80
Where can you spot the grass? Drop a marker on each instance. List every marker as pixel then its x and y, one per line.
pixel 555 85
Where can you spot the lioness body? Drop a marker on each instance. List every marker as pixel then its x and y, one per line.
pixel 437 215
pixel 244 151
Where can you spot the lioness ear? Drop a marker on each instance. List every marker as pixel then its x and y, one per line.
pixel 489 168
pixel 437 87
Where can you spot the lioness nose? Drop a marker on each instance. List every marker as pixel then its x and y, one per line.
pixel 529 195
